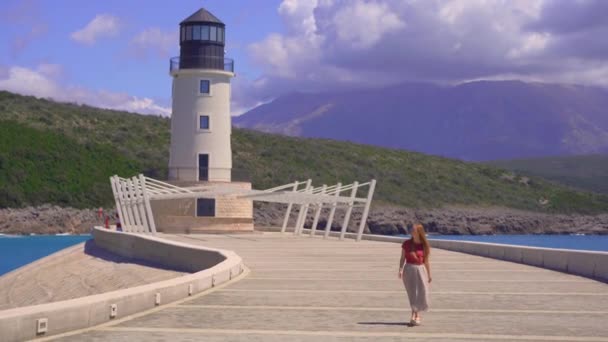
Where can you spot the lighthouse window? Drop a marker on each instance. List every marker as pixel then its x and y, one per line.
pixel 203 122
pixel 183 33
pixel 213 33
pixel 188 32
pixel 205 32
pixel 205 207
pixel 205 87
pixel 196 32
pixel 220 34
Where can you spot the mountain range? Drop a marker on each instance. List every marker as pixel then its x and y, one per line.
pixel 475 121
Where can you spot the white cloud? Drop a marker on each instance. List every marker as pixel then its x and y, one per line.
pixel 25 39
pixel 50 70
pixel 29 82
pixel 363 24
pixel 103 25
pixel 343 44
pixel 29 25
pixel 154 41
pixel 42 82
pixel 298 16
pixel 532 43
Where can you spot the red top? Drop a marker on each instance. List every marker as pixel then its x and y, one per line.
pixel 413 255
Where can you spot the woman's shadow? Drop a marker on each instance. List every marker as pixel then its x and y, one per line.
pixel 406 324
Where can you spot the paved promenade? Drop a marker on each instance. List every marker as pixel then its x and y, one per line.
pixel 310 289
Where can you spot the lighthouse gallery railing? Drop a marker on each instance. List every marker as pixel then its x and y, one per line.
pixel 201 62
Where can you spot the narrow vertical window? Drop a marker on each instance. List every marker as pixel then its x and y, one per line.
pixel 183 35
pixel 203 122
pixel 220 34
pixel 213 33
pixel 203 167
pixel 205 32
pixel 205 87
pixel 196 32
pixel 188 32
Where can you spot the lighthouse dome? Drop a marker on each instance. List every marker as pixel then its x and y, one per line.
pixel 202 41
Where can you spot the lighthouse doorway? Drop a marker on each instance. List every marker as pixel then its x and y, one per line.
pixel 203 167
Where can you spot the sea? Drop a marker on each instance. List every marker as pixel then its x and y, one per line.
pixel 17 251
pixel 577 242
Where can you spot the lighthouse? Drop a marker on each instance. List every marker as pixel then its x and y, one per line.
pixel 200 155
pixel 200 121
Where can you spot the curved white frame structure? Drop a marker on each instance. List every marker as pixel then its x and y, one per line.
pixel 133 196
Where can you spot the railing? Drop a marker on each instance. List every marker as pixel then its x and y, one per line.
pixel 330 197
pixel 236 175
pixel 133 198
pixel 201 62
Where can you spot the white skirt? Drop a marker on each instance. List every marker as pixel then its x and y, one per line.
pixel 416 285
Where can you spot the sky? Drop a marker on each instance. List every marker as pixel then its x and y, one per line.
pixel 115 54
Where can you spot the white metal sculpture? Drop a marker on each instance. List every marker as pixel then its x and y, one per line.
pixel 133 195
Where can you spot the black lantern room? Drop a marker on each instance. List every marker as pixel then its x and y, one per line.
pixel 202 41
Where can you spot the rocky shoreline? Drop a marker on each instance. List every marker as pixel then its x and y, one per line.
pixel 47 220
pixel 384 220
pixel 388 220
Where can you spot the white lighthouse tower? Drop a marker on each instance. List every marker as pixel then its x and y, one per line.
pixel 200 155
pixel 200 122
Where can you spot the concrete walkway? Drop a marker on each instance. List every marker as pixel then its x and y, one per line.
pixel 310 289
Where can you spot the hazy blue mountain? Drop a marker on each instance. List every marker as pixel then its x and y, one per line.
pixel 485 120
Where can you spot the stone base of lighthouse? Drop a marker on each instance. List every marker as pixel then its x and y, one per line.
pixel 192 216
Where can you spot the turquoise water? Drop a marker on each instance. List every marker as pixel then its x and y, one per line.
pixel 582 242
pixel 16 251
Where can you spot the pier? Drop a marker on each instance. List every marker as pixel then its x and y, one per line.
pixel 313 289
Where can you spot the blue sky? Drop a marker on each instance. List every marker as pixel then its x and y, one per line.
pixel 114 54
pixel 38 33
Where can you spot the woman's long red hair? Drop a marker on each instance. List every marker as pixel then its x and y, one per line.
pixel 419 229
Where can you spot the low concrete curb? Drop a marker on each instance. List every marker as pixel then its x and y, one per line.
pixel 590 264
pixel 212 267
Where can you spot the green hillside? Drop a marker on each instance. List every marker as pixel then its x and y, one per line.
pixel 588 172
pixel 90 144
pixel 38 167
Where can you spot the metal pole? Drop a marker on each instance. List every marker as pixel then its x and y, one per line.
pixel 125 198
pixel 315 222
pixel 139 195
pixel 289 206
pixel 125 219
pixel 303 211
pixel 330 219
pixel 113 181
pixel 349 210
pixel 306 206
pixel 142 182
pixel 133 205
pixel 299 218
pixel 370 194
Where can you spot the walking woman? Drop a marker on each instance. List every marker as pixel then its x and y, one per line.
pixel 416 274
